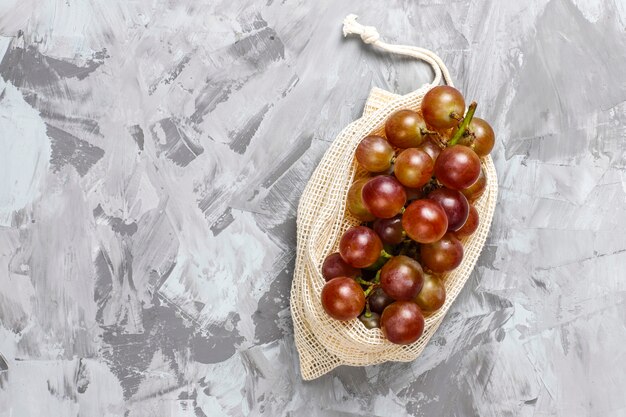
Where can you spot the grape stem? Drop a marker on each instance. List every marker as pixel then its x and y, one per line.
pixel 440 142
pixel 454 115
pixel 372 284
pixel 363 282
pixel 369 290
pixel 464 124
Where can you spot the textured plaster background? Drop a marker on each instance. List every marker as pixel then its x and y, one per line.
pixel 152 154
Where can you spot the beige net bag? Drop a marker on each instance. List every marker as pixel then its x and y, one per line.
pixel 322 342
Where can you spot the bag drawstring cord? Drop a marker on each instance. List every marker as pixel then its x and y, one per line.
pixel 370 36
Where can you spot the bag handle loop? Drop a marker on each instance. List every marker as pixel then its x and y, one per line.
pixel 370 36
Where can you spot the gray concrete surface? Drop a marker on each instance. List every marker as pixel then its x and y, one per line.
pixel 152 154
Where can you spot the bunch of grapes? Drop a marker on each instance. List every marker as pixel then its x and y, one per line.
pixel 415 206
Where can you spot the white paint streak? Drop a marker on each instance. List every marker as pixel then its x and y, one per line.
pixel 25 152
pixel 219 276
pixel 47 387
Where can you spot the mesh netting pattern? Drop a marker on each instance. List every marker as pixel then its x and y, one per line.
pixel 324 343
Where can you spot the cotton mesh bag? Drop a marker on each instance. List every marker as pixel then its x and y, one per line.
pixel 324 343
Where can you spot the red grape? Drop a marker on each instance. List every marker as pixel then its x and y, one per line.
pixel 413 167
pixel 443 255
pixel 402 322
pixel 474 191
pixel 384 196
pixel 454 204
pixel 360 246
pixel 430 146
pixel 378 300
pixel 401 278
pixel 374 153
pixel 355 201
pixel 433 294
pixel 371 320
pixel 470 225
pixel 404 129
pixel 389 230
pixel 343 298
pixel 457 167
pixel 479 136
pixel 443 106
pixel 335 266
pixel 425 221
